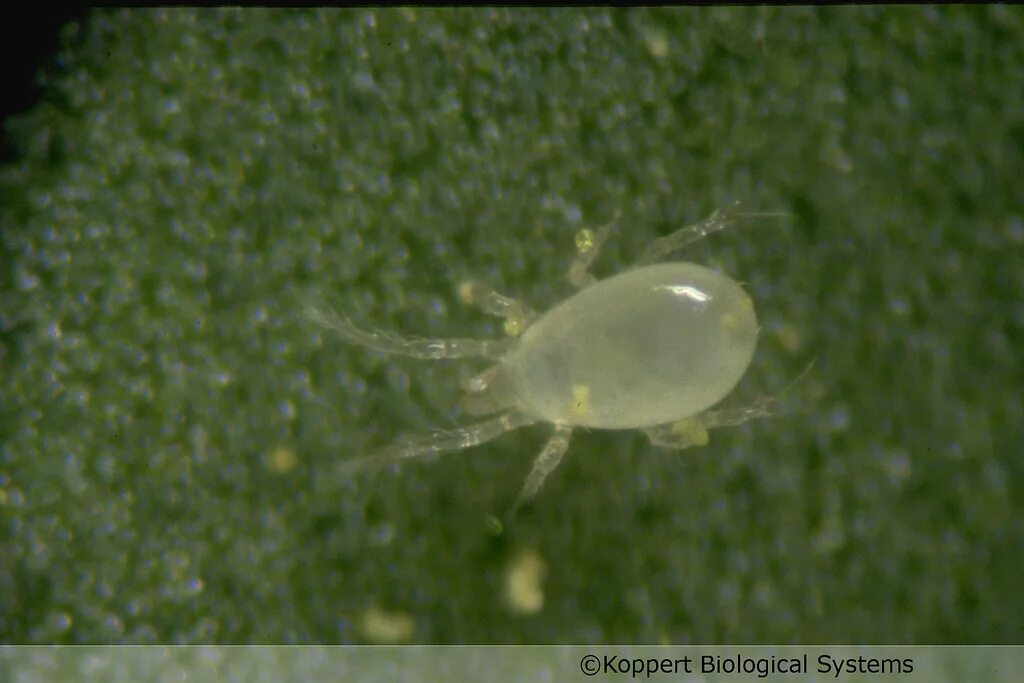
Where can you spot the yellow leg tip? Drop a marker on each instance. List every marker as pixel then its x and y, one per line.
pixel 513 326
pixel 691 431
pixel 585 240
pixel 467 292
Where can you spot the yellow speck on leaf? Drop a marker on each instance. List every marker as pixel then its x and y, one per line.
pixel 282 460
pixel 657 44
pixel 789 337
pixel 524 593
pixel 387 627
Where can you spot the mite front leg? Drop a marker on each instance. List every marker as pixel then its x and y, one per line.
pixel 517 315
pixel 388 342
pixel 588 246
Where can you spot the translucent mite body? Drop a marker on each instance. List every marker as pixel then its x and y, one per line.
pixel 642 348
pixel 653 348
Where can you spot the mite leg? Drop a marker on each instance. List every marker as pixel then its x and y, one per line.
pixel 588 246
pixel 684 237
pixel 545 462
pixel 517 315
pixel 438 442
pixel 693 431
pixel 388 342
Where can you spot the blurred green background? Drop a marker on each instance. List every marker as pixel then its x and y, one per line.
pixel 171 424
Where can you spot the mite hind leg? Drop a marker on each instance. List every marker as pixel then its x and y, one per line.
pixel 517 315
pixel 693 431
pixel 588 246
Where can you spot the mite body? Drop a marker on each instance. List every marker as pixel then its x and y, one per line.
pixel 653 348
pixel 642 348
